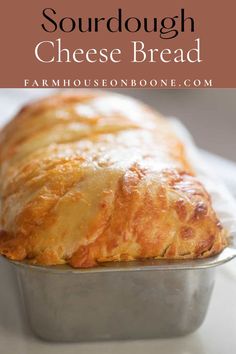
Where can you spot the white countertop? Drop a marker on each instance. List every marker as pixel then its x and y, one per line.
pixel 216 336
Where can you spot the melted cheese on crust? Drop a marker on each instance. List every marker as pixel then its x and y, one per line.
pixel 96 177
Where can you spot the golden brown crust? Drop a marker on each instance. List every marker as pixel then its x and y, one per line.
pixel 93 177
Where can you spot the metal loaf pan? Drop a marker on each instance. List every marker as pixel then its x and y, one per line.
pixel 128 300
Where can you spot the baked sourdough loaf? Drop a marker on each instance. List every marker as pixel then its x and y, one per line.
pixel 93 177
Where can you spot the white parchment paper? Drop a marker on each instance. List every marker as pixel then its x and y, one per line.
pixel 223 201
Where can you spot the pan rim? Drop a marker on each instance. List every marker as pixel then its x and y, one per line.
pixel 225 256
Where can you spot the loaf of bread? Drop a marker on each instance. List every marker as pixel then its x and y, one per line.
pixel 91 177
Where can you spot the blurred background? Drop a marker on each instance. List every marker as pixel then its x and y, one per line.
pixel 209 114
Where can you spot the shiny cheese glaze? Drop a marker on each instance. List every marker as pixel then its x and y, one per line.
pixel 95 177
